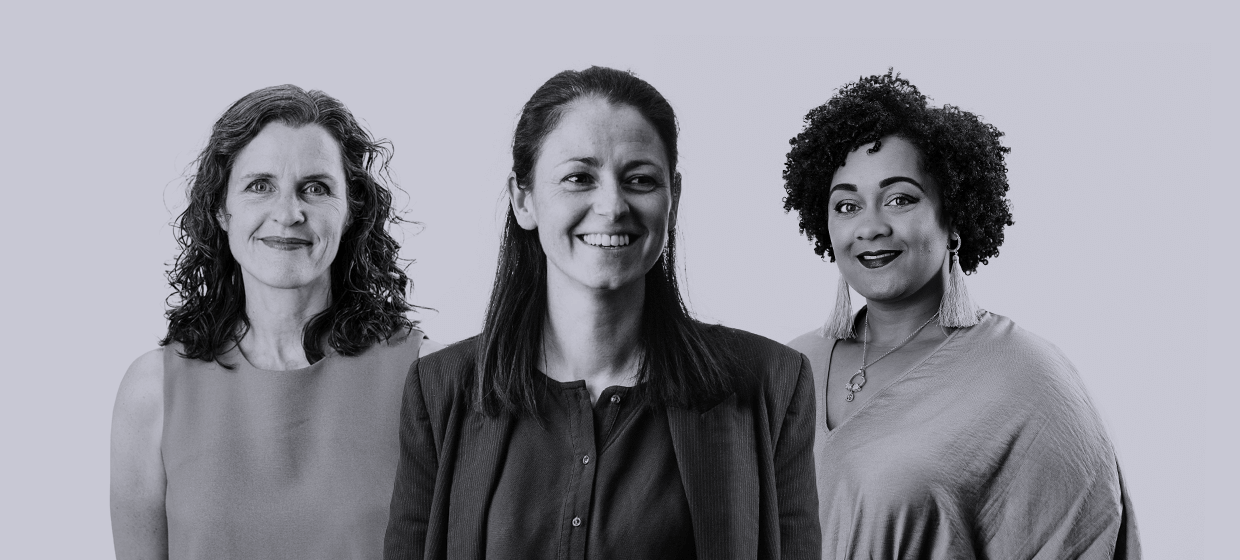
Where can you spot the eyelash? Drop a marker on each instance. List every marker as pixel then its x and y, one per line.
pixel 909 200
pixel 326 190
pixel 647 182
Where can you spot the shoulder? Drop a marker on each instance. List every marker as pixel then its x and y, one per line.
pixel 773 366
pixel 815 346
pixel 142 387
pixel 999 344
pixel 755 350
pixel 1025 375
pixel 447 371
pixel 138 416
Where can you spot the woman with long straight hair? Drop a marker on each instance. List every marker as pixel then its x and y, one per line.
pixel 593 417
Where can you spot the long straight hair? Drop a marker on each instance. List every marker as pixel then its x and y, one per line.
pixel 683 362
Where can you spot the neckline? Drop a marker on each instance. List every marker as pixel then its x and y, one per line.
pixel 245 360
pixel 575 384
pixel 827 379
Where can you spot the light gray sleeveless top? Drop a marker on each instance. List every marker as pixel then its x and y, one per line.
pixel 282 464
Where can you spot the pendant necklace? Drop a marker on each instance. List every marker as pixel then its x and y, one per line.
pixel 857 381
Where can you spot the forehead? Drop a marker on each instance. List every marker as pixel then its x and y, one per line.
pixel 301 149
pixel 593 127
pixel 895 157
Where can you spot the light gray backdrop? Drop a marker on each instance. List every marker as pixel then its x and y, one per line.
pixel 1121 123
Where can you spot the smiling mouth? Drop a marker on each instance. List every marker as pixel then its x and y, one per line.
pixel 605 241
pixel 285 243
pixel 877 259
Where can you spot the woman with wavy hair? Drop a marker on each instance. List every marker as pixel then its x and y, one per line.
pixel 266 424
pixel 944 431
pixel 594 417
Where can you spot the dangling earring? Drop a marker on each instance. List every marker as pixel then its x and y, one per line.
pixel 956 309
pixel 840 325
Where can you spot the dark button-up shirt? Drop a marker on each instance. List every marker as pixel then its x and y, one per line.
pixel 589 481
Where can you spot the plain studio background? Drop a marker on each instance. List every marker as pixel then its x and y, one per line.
pixel 1121 124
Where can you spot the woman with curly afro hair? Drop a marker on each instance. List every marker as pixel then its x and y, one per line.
pixel 266 425
pixel 944 431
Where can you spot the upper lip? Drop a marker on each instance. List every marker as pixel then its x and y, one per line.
pixel 878 253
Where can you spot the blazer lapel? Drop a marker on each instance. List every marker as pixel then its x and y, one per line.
pixel 483 444
pixel 717 456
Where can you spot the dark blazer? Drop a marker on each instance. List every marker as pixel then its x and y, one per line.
pixel 746 463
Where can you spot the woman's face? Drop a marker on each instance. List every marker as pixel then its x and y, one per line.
pixel 886 222
pixel 601 198
pixel 285 208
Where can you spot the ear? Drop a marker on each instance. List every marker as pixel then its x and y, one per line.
pixel 522 200
pixel 671 219
pixel 222 219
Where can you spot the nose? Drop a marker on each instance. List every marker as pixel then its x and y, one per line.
pixel 289 210
pixel 609 200
pixel 872 224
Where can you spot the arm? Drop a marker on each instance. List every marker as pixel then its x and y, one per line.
pixel 1057 492
pixel 139 522
pixel 795 483
pixel 414 488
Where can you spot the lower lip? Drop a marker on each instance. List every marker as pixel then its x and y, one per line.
pixel 285 245
pixel 879 262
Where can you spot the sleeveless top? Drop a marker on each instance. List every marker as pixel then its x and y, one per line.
pixel 283 464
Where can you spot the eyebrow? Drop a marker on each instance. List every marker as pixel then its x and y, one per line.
pixel 593 162
pixel 311 177
pixel 881 184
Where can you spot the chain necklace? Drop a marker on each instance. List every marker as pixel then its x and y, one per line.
pixel 853 384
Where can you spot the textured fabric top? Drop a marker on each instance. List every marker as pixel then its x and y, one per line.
pixel 989 448
pixel 291 464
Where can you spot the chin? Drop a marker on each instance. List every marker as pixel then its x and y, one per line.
pixel 292 279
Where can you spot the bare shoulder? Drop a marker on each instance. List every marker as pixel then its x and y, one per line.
pixel 429 346
pixel 137 418
pixel 142 389
pixel 138 481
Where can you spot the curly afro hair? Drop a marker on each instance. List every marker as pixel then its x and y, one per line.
pixel 958 150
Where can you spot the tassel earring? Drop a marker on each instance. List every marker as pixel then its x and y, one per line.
pixel 956 309
pixel 840 326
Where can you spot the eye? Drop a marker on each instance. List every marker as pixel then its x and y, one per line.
pixel 642 183
pixel 578 179
pixel 902 200
pixel 317 188
pixel 846 207
pixel 260 186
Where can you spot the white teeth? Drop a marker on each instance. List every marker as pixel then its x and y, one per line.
pixel 604 240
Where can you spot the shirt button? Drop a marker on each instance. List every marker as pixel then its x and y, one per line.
pixel 576 522
pixel 585 460
pixel 615 399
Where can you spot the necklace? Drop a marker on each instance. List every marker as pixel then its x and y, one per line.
pixel 854 385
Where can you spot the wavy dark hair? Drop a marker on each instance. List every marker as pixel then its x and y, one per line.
pixel 207 308
pixel 962 154
pixel 683 363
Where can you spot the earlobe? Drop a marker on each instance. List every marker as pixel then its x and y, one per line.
pixel 521 202
pixel 222 219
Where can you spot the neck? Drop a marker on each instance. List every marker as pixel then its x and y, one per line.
pixel 593 335
pixel 278 319
pixel 891 321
